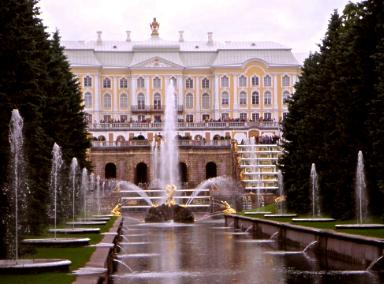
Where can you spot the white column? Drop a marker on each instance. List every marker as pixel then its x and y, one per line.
pixel 235 99
pixel 216 113
pixel 275 111
pixel 197 100
pixel 97 97
pixel 115 98
pixel 133 91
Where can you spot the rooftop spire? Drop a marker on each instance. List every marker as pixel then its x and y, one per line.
pixel 155 28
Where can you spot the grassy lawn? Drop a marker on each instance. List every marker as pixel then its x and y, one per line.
pixel 377 233
pixel 77 255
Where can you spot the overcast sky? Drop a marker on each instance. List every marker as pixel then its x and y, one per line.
pixel 299 24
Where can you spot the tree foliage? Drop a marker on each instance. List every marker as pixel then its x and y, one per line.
pixel 35 78
pixel 336 111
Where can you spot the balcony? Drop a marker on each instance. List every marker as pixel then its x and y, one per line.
pixel 156 126
pixel 152 109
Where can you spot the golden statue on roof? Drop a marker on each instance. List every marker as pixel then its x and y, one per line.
pixel 155 27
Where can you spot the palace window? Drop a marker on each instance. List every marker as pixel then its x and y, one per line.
pixel 88 100
pixel 107 101
pixel 286 96
pixel 267 116
pixel 174 81
pixel 225 98
pixel 224 82
pixel 267 81
pixel 225 116
pixel 243 116
pixel 189 118
pixel 189 83
pixel 107 83
pixel 140 101
pixel 205 83
pixel 205 101
pixel 123 83
pixel 242 81
pixel 87 81
pixel 286 81
pixel 157 101
pixel 243 98
pixel 255 116
pixel 140 82
pixel 255 81
pixel 205 117
pixel 267 98
pixel 189 101
pixel 123 101
pixel 157 83
pixel 255 98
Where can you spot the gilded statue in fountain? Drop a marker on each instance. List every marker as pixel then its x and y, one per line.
pixel 170 191
pixel 116 210
pixel 227 208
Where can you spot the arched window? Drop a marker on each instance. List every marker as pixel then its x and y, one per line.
pixel 225 98
pixel 123 83
pixel 267 98
pixel 106 83
pixel 140 82
pixel 286 81
pixel 189 83
pixel 174 81
pixel 183 170
pixel 243 98
pixel 141 173
pixel 224 82
pixel 205 83
pixel 87 81
pixel 157 101
pixel 157 83
pixel 267 81
pixel 88 100
pixel 107 101
pixel 255 81
pixel 140 101
pixel 255 98
pixel 110 170
pixel 242 81
pixel 210 170
pixel 123 101
pixel 189 101
pixel 286 96
pixel 205 101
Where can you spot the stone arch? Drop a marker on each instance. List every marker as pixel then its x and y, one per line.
pixel 198 137
pixel 120 138
pixel 183 170
pixel 101 138
pixel 141 173
pixel 110 170
pixel 217 137
pixel 210 170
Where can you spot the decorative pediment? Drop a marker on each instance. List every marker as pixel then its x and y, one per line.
pixel 157 62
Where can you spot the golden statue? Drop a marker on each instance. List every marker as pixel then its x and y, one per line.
pixel 116 210
pixel 227 208
pixel 170 191
pixel 155 27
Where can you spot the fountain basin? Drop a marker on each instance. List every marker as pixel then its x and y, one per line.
pixel 87 223
pixel 286 215
pixel 257 212
pixel 75 231
pixel 103 215
pixel 23 266
pixel 360 226
pixel 93 219
pixel 313 219
pixel 57 242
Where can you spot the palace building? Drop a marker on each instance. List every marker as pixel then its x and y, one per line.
pixel 224 90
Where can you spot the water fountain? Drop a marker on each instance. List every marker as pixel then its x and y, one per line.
pixel 315 200
pixel 55 191
pixel 280 201
pixel 18 194
pixel 361 199
pixel 72 179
